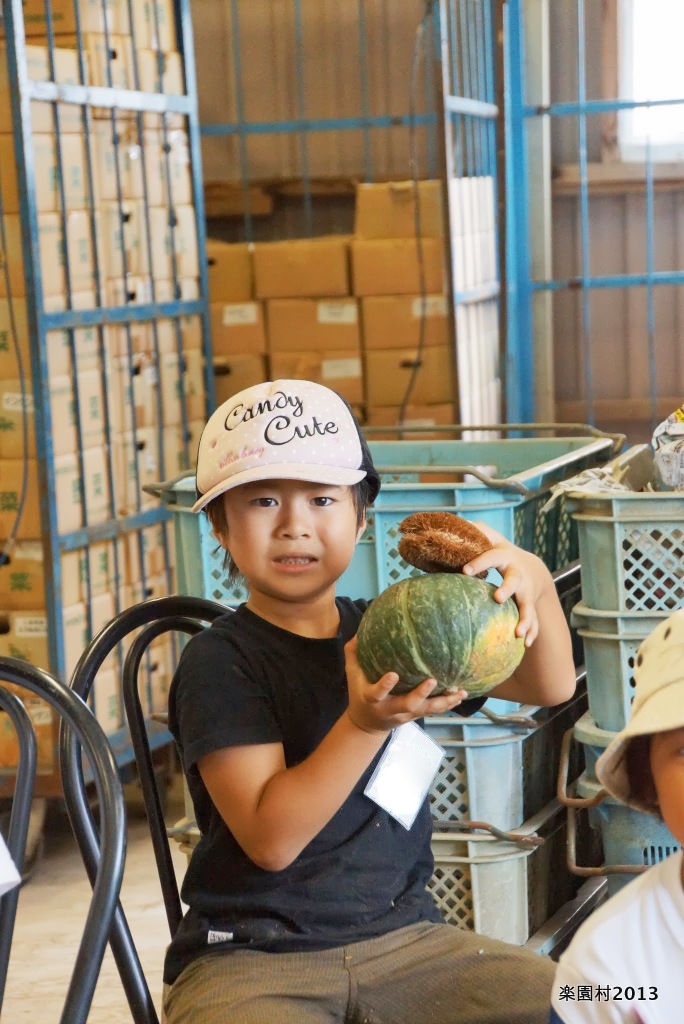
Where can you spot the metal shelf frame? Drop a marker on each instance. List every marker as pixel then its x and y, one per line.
pixel 117 102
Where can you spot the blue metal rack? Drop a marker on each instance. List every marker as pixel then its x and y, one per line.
pixel 116 105
pixel 452 115
pixel 305 127
pixel 523 117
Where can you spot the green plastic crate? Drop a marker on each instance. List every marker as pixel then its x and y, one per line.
pixel 594 741
pixel 611 640
pixel 631 543
pixel 628 836
pixel 503 482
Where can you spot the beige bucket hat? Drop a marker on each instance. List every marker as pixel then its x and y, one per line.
pixel 658 705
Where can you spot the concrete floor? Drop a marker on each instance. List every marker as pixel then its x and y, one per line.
pixel 50 918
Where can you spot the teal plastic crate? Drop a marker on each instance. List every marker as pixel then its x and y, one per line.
pixel 497 771
pixel 611 640
pixel 628 836
pixel 631 543
pixel 498 888
pixel 503 483
pixel 594 741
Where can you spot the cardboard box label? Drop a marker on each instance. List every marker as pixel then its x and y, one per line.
pixel 40 714
pixel 429 306
pixel 15 402
pixel 30 625
pixel 240 313
pixel 332 369
pixel 337 313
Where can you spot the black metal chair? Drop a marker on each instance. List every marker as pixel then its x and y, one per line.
pixel 188 615
pixel 106 880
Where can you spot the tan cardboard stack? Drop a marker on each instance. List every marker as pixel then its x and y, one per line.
pixel 140 387
pixel 313 321
pixel 238 332
pixel 387 282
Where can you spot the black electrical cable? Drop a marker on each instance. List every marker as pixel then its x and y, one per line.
pixel 418 52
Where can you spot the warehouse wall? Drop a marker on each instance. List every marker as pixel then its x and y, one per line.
pixel 331 83
pixel 617 236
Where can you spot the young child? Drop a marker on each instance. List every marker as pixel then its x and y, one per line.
pixel 626 962
pixel 307 901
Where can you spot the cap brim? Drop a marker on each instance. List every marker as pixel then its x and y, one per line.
pixel 329 475
pixel 657 714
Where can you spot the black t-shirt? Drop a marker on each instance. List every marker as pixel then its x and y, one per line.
pixel 245 681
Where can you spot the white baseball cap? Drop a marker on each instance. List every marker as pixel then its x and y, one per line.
pixel 658 705
pixel 282 430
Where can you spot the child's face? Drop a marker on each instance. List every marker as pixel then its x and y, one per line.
pixel 291 540
pixel 667 768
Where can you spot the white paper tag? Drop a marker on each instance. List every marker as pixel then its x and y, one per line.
pixel 404 773
pixel 332 369
pixel 15 402
pixel 337 313
pixel 9 876
pixel 430 306
pixel 30 625
pixel 239 313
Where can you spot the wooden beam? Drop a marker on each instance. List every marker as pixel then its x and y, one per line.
pixel 227 199
pixel 617 178
pixel 613 410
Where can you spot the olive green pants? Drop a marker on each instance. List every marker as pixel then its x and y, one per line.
pixel 424 974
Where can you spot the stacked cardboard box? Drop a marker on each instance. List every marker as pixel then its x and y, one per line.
pixel 313 322
pixel 132 378
pixel 238 333
pixel 392 264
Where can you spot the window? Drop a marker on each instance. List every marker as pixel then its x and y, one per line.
pixel 651 68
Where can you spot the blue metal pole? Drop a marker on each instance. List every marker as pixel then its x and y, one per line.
pixel 20 97
pixel 239 111
pixel 365 92
pixel 520 399
pixel 650 296
pixel 301 107
pixel 584 209
pixel 187 47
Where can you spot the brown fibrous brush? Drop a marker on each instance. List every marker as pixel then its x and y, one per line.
pixel 440 541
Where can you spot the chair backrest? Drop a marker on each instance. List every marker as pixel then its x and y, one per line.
pixel 149 620
pixel 106 880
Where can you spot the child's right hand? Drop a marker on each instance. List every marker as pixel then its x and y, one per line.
pixel 373 708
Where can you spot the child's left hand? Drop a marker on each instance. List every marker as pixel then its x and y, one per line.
pixel 525 578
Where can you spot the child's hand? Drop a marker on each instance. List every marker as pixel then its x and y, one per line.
pixel 525 577
pixel 374 709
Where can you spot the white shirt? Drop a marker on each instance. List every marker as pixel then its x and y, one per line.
pixel 632 946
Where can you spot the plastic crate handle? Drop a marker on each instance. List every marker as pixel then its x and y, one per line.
pixel 459 428
pixel 519 839
pixel 489 481
pixel 575 803
pixel 157 490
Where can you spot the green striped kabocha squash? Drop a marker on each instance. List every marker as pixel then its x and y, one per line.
pixel 444 625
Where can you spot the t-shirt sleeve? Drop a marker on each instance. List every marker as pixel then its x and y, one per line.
pixel 217 700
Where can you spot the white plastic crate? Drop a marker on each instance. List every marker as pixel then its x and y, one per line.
pixel 498 888
pixel 631 543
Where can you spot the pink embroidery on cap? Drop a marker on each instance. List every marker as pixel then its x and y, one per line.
pixel 246 453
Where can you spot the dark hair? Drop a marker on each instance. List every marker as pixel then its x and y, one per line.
pixel 363 495
pixel 639 774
